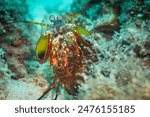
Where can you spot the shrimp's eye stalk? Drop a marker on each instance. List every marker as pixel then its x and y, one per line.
pixel 52 18
pixel 59 17
pixel 42 49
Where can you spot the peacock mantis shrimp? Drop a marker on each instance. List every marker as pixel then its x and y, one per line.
pixel 62 47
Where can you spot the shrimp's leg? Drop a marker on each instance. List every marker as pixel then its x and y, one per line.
pixel 51 87
pixel 57 92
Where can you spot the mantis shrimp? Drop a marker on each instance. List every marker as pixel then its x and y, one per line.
pixel 61 46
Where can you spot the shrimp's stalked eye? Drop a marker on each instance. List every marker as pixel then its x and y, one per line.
pixel 59 17
pixel 52 18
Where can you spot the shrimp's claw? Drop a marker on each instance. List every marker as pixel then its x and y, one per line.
pixel 82 30
pixel 81 40
pixel 43 49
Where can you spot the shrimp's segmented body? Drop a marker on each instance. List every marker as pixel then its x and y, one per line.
pixel 65 55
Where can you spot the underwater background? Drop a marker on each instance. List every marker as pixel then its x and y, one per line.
pixel 120 38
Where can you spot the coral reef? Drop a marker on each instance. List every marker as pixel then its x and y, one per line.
pixel 4 73
pixel 117 66
pixel 123 74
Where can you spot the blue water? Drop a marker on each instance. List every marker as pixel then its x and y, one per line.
pixel 41 9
